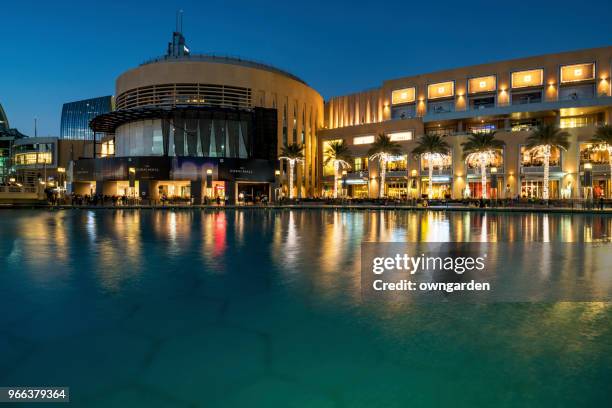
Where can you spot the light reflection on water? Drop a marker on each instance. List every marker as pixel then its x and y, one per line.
pixel 293 277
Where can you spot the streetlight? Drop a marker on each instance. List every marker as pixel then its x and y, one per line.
pixel 588 180
pixel 494 181
pixel 209 173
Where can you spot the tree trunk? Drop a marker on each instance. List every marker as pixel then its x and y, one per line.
pixel 483 177
pixel 610 161
pixel 546 172
pixel 430 168
pixel 291 166
pixel 336 165
pixel 383 174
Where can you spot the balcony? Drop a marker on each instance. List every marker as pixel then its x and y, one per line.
pixel 598 168
pixel 539 169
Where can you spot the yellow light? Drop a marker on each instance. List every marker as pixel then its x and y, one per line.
pixel 209 171
pixel 493 170
pixel 527 78
pixel 483 84
pixel 413 173
pixel 578 71
pixel 132 170
pixel 61 170
pixel 277 172
pixel 588 166
pixel 344 172
pixel 12 179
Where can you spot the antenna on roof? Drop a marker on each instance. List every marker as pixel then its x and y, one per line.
pixel 179 21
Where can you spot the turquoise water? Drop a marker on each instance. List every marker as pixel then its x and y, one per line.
pixel 263 309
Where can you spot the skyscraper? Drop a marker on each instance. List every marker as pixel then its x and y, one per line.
pixel 76 117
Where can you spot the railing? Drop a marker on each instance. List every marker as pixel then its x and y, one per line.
pixel 540 169
pixel 17 189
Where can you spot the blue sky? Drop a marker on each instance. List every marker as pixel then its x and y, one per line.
pixel 60 51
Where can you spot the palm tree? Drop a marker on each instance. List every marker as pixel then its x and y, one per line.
pixel 338 153
pixel 293 153
pixel 542 140
pixel 603 139
pixel 481 149
pixel 431 148
pixel 384 150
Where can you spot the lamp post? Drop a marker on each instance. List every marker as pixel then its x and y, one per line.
pixel 588 181
pixel 493 182
pixel 344 188
pixel 209 173
pixel 277 186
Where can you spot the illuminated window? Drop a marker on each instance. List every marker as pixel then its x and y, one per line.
pixel 33 158
pixel 400 136
pixel 406 95
pixel 361 140
pixel 522 79
pixel 578 72
pixel 441 90
pixel 482 84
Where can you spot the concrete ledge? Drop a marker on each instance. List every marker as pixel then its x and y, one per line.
pixel 548 210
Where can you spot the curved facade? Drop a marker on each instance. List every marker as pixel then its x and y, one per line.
pixel 196 123
pixel 212 82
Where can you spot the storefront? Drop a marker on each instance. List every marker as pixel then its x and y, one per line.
pixel 441 186
pixel 533 188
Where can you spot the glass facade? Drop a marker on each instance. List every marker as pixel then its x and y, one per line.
pixel 76 117
pixel 211 136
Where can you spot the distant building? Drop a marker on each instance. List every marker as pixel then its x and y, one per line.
pixel 8 137
pixel 76 117
pixel 3 119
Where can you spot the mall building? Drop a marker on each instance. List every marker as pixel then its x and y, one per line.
pixel 570 89
pixel 188 126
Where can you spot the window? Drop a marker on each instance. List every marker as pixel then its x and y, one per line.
pixel 406 95
pixel 361 140
pixel 441 106
pixel 399 163
pixel 523 79
pixel 535 158
pixel 403 112
pixel 577 122
pixel 400 136
pixel 527 97
pixel 577 72
pixel 360 164
pixel 441 90
pixel 482 84
pixel 482 103
pixel 575 92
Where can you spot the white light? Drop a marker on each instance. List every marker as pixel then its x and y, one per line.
pixel 527 78
pixel 404 95
pixel 483 84
pixel 400 136
pixel 359 140
pixel 578 72
pixel 441 90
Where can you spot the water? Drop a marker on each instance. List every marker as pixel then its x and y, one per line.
pixel 263 309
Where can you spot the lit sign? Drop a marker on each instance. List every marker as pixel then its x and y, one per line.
pixel 523 79
pixel 578 72
pixel 441 90
pixel 361 140
pixel 482 84
pixel 406 95
pixel 400 136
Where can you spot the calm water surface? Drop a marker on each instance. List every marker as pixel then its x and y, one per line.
pixel 263 309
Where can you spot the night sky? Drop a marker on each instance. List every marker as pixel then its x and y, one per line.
pixel 60 51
